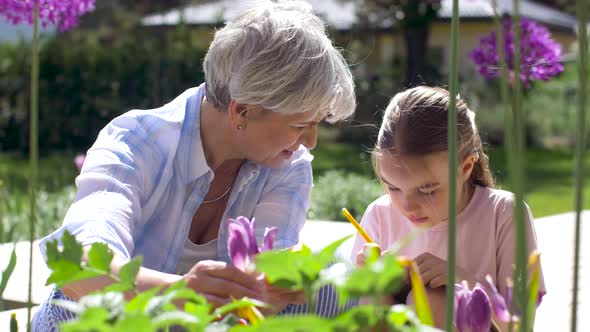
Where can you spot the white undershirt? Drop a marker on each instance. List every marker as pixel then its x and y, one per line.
pixel 194 253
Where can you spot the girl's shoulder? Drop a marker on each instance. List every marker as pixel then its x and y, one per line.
pixel 496 201
pixel 379 208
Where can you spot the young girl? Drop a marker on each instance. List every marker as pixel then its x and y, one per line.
pixel 411 160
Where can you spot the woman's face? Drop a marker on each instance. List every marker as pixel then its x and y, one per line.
pixel 419 186
pixel 272 137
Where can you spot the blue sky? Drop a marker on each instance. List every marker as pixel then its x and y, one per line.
pixel 11 33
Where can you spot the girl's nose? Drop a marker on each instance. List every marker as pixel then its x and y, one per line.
pixel 409 204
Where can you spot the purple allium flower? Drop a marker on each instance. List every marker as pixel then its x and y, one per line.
pixel 540 55
pixel 79 161
pixel 241 242
pixel 63 13
pixel 472 309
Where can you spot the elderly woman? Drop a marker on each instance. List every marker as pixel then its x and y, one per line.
pixel 161 183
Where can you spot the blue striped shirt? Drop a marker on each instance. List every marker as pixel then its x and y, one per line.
pixel 146 175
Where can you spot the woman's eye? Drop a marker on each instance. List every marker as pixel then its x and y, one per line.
pixel 392 189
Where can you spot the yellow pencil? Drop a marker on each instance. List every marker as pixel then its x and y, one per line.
pixel 356 225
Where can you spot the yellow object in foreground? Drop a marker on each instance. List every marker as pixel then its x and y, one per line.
pixel 356 225
pixel 420 300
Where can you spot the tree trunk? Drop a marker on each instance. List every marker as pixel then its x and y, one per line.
pixel 416 39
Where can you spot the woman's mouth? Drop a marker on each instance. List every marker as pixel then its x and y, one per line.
pixel 287 154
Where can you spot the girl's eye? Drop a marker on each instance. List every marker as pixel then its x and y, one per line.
pixel 392 189
pixel 425 192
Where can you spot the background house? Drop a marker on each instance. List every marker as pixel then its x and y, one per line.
pixel 375 50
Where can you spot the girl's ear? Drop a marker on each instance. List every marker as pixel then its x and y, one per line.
pixel 467 166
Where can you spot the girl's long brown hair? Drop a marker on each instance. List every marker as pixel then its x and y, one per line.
pixel 415 123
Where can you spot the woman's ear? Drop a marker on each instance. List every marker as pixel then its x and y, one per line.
pixel 237 114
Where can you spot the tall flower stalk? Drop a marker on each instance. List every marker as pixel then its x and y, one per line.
pixel 64 14
pixel 580 148
pixel 452 144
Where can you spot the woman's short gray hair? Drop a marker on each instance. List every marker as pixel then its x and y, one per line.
pixel 277 55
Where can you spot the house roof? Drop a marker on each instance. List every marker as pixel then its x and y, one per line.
pixel 342 14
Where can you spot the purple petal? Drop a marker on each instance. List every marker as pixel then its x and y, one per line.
pixel 498 302
pixel 247 227
pixel 237 245
pixel 540 297
pixel 480 313
pixel 79 161
pixel 270 233
pixel 461 298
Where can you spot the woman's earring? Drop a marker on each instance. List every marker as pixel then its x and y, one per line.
pixel 240 127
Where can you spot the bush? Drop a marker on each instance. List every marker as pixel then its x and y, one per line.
pixel 336 189
pixel 85 83
pixel 51 210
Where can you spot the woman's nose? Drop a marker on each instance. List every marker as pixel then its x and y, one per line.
pixel 310 137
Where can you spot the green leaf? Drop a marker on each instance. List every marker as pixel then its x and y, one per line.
pixel 170 318
pixel 139 302
pixel 65 272
pixel 299 323
pixel 72 249
pixel 358 318
pixel 384 276
pixel 400 316
pixel 100 257
pixel 129 271
pixel 7 272
pixel 13 323
pixel 134 322
pixel 91 319
pixel 281 265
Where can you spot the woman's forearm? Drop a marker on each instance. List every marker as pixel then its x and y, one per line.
pixel 146 279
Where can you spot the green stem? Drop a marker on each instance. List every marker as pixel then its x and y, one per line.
pixel 34 153
pixel 308 290
pixel 452 144
pixel 518 175
pixel 508 123
pixel 580 147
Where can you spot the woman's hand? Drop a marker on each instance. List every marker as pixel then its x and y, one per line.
pixel 434 271
pixel 278 298
pixel 219 282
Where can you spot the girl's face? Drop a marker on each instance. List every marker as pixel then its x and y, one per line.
pixel 419 186
pixel 272 138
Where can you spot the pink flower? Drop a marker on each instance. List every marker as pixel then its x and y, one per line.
pixel 79 161
pixel 63 13
pixel 241 242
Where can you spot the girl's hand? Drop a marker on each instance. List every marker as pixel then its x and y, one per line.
pixel 365 251
pixel 434 271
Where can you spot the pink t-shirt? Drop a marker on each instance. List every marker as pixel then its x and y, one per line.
pixel 485 234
